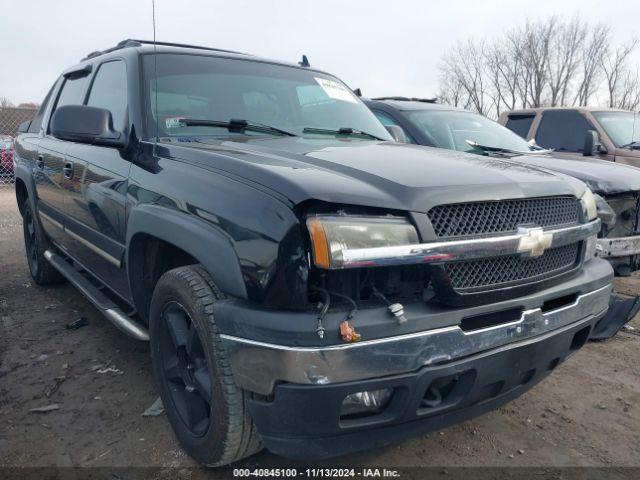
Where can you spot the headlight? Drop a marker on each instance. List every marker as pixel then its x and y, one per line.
pixel 589 205
pixel 333 234
pixel 605 212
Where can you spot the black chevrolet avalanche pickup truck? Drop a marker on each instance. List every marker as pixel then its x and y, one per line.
pixel 306 284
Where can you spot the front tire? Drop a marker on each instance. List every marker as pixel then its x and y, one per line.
pixel 35 244
pixel 207 410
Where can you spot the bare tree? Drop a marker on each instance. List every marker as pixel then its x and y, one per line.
pixel 544 62
pixel 592 52
pixel 5 102
pixel 503 64
pixel 451 91
pixel 564 58
pixel 465 64
pixel 536 45
pixel 617 76
pixel 628 96
pixel 522 74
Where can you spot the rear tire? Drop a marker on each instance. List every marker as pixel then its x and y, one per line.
pixel 207 410
pixel 35 244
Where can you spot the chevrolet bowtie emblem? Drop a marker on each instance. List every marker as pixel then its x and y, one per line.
pixel 534 241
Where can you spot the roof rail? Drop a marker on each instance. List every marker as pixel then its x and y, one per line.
pixel 134 42
pixel 409 99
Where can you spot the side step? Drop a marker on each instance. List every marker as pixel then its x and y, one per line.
pixel 109 309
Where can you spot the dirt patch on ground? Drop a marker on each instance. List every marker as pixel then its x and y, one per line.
pixel 586 414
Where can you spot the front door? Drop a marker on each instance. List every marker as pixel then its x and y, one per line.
pixel 51 164
pixel 96 186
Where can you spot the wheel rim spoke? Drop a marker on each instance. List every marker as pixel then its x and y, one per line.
pixel 172 371
pixel 203 383
pixel 178 329
pixel 198 412
pixel 193 345
pixel 30 241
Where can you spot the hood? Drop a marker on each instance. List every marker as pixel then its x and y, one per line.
pixel 601 176
pixel 370 173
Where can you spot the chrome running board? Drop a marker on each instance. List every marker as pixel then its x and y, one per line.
pixel 109 309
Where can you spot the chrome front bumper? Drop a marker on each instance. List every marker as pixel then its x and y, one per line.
pixel 617 247
pixel 257 366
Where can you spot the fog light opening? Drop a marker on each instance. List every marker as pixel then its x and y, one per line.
pixel 364 404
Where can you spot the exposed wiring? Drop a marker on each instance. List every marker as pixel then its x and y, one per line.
pixel 354 305
pixel 396 309
pixel 326 303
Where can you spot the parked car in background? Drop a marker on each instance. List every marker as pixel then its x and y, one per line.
pixel 6 158
pixel 570 131
pixel 425 122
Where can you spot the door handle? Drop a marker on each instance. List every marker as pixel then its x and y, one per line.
pixel 40 162
pixel 68 170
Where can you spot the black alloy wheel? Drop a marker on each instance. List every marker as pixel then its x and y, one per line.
pixel 185 368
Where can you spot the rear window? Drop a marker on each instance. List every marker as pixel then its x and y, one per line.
pixel 563 130
pixel 520 123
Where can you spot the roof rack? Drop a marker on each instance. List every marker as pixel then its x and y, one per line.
pixel 134 42
pixel 409 99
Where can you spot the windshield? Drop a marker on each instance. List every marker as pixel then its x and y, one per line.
pixel 5 145
pixel 622 128
pixel 451 129
pixel 287 98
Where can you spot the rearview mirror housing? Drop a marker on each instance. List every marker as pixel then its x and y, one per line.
pixel 591 144
pixel 24 127
pixel 84 124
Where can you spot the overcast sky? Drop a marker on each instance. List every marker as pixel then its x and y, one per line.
pixel 384 47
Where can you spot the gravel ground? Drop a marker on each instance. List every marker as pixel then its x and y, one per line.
pixel 587 413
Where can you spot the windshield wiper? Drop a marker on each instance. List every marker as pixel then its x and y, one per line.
pixel 632 145
pixel 236 125
pixel 341 131
pixel 506 151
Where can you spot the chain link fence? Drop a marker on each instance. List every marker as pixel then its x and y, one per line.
pixel 10 119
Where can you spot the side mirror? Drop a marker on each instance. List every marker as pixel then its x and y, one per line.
pixel 24 127
pixel 591 144
pixel 397 133
pixel 84 124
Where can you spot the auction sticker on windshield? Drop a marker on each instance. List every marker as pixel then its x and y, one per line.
pixel 336 90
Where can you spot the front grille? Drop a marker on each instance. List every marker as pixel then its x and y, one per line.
pixel 500 272
pixel 502 217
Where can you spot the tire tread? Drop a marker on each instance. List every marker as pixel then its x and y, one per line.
pixel 242 437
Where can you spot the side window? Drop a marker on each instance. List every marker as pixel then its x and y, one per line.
pixel 72 92
pixel 520 123
pixel 387 121
pixel 36 123
pixel 109 91
pixel 563 130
